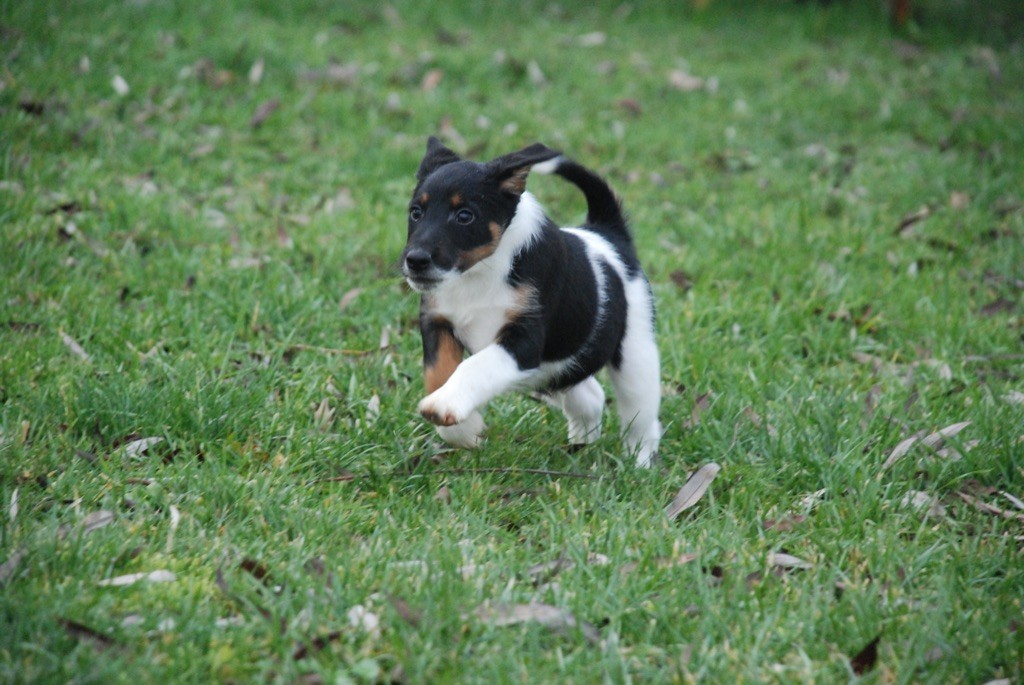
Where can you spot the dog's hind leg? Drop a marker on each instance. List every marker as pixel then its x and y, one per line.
pixel 638 397
pixel 637 379
pixel 582 405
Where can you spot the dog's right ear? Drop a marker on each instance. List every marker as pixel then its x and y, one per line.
pixel 511 170
pixel 436 156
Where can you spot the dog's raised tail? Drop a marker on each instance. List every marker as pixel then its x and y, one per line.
pixel 603 207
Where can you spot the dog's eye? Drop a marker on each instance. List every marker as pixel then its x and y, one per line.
pixel 415 213
pixel 464 217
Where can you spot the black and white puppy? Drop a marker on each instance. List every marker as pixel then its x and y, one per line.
pixel 537 307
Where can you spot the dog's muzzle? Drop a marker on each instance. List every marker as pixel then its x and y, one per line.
pixel 419 270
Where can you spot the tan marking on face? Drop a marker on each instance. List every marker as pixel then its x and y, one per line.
pixel 470 258
pixel 424 198
pixel 456 200
pixel 449 354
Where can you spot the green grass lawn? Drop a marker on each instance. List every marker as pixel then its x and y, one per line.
pixel 209 366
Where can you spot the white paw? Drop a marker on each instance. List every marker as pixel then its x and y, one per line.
pixel 441 410
pixel 645 457
pixel 466 434
pixel 582 434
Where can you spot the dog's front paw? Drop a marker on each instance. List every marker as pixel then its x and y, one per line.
pixel 439 411
pixel 466 434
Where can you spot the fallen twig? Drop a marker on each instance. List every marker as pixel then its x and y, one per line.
pixel 331 350
pixel 507 470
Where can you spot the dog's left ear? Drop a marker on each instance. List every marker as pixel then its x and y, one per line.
pixel 512 169
pixel 436 156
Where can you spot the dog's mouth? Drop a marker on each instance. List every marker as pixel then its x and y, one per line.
pixel 422 283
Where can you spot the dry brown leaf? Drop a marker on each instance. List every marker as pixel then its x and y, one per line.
pixel 682 280
pixel 119 85
pixel 785 524
pixel 915 499
pixel 82 632
pixel 161 576
pixel 682 81
pixel 373 409
pixel 315 645
pixel 1014 397
pixel 74 347
pixel 140 446
pixel 263 112
pixel 552 617
pixel 913 218
pixel 1014 500
pixel 9 567
pixel 431 80
pixel 954 454
pixel 12 510
pixel 866 658
pixel 334 74
pixel 245 262
pixel 544 571
pixel 989 508
pixel 998 306
pixel 256 569
pixel 935 440
pixel 341 202
pixel 256 71
pixel 323 416
pixel 985 57
pixel 408 614
pixel 590 40
pixel 758 422
pixel 787 561
pixel 348 297
pixel 364 619
pixel 899 452
pixel 284 239
pixel 959 200
pixel 175 514
pixel 537 77
pixel 632 106
pixel 678 560
pixel 699 406
pixel 96 520
pixel 693 490
pixel 661 562
pixel 870 405
pixel 811 499
pixel 876 363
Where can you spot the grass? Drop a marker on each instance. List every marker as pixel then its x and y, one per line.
pixel 208 269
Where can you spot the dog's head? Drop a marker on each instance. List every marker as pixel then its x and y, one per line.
pixel 460 209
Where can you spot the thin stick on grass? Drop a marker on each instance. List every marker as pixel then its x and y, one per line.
pixel 515 471
pixel 512 471
pixel 331 350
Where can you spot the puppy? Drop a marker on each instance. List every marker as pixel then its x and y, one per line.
pixel 537 307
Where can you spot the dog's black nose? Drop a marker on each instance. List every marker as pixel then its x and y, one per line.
pixel 417 260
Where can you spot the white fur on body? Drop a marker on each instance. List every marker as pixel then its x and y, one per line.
pixel 476 302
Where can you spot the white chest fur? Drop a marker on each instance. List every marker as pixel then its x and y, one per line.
pixel 476 307
pixel 479 301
